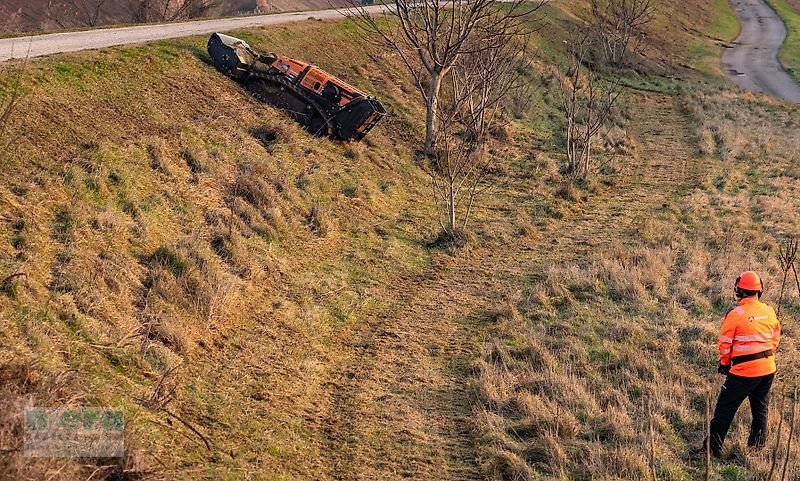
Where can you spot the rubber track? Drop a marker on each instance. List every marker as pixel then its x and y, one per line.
pixel 291 86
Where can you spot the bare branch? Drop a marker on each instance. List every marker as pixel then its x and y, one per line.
pixel 619 26
pixel 431 36
pixel 89 10
pixel 586 101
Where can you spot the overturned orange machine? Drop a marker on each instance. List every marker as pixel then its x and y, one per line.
pixel 326 105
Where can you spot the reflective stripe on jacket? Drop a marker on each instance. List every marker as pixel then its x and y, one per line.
pixel 749 328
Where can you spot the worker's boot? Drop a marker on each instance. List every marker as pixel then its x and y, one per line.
pixel 700 452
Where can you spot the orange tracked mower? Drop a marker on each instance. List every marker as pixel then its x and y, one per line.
pixel 325 105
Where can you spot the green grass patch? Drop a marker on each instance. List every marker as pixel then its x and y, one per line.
pixel 705 55
pixel 790 52
pixel 726 25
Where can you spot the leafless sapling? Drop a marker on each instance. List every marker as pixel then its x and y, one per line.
pixel 787 254
pixel 651 438
pixel 619 26
pixel 791 436
pixel 431 36
pixel 88 10
pixel 708 437
pixel 587 100
pixel 777 445
pixel 476 92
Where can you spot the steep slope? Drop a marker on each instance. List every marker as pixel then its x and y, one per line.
pixel 606 342
pixel 153 206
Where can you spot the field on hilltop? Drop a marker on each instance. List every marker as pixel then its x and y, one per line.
pixel 265 304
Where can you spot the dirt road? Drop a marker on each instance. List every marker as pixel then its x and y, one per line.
pixel 40 45
pixel 753 61
pixel 48 44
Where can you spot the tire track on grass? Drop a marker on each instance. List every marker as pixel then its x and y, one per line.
pixel 401 403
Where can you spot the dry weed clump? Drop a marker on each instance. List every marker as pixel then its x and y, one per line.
pixel 633 276
pixel 743 127
pixel 570 192
pixel 318 220
pixel 271 136
pixel 188 277
pixel 266 201
pixel 24 384
pixel 617 141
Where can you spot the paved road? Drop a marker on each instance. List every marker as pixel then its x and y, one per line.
pixel 40 45
pixel 753 61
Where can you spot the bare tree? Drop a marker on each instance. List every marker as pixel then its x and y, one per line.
pixel 143 11
pixel 185 9
pixel 619 25
pixel 88 10
pixel 431 36
pixel 475 95
pixel 51 14
pixel 138 10
pixel 586 101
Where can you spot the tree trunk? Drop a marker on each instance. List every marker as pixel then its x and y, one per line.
pixel 451 208
pixel 432 108
pixel 587 161
pixel 570 145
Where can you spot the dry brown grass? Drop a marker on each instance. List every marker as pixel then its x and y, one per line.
pixel 203 237
pixel 737 126
pixel 25 384
pixel 566 376
pixel 146 238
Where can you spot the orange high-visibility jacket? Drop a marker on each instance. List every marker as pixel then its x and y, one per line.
pixel 749 328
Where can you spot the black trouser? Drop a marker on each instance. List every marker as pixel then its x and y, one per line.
pixel 733 393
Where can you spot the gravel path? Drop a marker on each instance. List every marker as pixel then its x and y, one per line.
pixel 39 45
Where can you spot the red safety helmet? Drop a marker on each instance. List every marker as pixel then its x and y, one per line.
pixel 747 283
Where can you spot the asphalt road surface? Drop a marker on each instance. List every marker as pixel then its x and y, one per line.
pixel 39 45
pixel 753 60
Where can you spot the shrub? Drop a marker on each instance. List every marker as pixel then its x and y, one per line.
pixel 318 220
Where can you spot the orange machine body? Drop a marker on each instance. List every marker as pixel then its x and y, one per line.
pixel 323 103
pixel 316 79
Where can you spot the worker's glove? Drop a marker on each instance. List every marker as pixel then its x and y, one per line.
pixel 723 369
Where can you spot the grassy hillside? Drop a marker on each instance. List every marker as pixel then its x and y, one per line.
pixel 263 304
pixel 790 52
pixel 188 252
pixel 159 213
pixel 627 323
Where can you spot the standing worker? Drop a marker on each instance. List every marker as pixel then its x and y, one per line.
pixel 747 343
